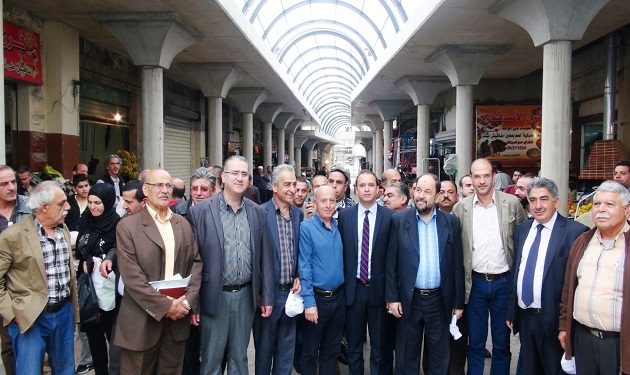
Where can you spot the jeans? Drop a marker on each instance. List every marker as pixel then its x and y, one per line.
pixel 487 296
pixel 52 333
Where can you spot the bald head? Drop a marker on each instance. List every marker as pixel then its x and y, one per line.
pixel 158 188
pixel 325 202
pixel 180 188
pixel 390 176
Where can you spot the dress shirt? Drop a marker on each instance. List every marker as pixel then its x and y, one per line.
pixel 166 231
pixel 372 220
pixel 285 235
pixel 237 254
pixel 321 257
pixel 56 254
pixel 116 185
pixel 428 276
pixel 488 254
pixel 599 294
pixel 545 235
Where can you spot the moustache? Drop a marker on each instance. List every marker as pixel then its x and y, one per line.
pixel 163 196
pixel 602 215
pixel 445 199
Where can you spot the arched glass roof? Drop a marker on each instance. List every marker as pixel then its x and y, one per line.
pixel 328 46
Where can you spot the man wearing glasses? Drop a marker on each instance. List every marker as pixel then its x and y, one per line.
pixel 238 276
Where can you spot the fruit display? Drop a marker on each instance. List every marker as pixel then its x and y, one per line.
pixel 129 167
pixel 583 206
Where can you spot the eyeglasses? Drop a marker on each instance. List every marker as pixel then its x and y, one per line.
pixel 238 173
pixel 161 186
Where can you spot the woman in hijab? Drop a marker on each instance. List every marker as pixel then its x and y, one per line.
pixel 97 235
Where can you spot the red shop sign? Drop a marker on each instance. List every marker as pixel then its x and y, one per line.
pixel 22 54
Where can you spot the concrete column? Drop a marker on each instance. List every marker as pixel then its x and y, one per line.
pixel 378 153
pixel 309 158
pixel 3 150
pixel 463 129
pixel 247 137
pixel 267 144
pixel 298 160
pixel 152 117
pixel 291 148
pixel 387 110
pixel 556 116
pixel 280 146
pixel 387 137
pixel 423 134
pixel 373 153
pixel 215 130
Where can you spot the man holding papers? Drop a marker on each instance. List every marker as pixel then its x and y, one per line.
pixel 155 245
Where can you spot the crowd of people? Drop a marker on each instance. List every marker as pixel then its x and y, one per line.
pixel 424 263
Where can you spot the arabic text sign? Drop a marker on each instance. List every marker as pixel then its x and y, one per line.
pixel 22 54
pixel 509 132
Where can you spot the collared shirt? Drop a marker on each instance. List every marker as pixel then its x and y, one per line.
pixel 285 234
pixel 545 235
pixel 166 231
pixel 488 255
pixel 599 293
pixel 56 254
pixel 372 220
pixel 321 257
pixel 428 276
pixel 116 185
pixel 237 256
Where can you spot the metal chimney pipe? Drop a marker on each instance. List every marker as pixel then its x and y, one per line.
pixel 609 87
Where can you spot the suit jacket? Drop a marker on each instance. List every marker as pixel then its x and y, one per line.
pixel 563 234
pixel 272 226
pixel 403 259
pixel 23 280
pixel 205 220
pixel 106 178
pixel 140 253
pixel 511 214
pixel 347 222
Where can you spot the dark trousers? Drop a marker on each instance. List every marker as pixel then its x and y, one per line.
pixel 358 315
pixel 426 318
pixel 388 343
pixel 321 341
pixel 540 350
pixel 192 354
pixel 594 356
pixel 458 348
pixel 8 359
pixel 99 334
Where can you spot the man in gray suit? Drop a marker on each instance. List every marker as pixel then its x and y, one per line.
pixel 236 251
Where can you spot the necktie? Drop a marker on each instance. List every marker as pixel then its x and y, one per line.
pixel 530 269
pixel 365 250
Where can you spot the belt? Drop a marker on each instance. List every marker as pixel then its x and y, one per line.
pixel 426 292
pixel 533 310
pixel 54 307
pixel 367 283
pixel 599 333
pixel 286 286
pixel 235 288
pixel 491 276
pixel 326 293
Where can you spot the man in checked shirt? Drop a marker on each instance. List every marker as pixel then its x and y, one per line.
pixel 38 296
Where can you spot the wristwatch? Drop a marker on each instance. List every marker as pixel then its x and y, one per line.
pixel 186 305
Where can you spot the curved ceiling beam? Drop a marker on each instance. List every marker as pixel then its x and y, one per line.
pixel 335 125
pixel 329 88
pixel 321 108
pixel 327 32
pixel 332 80
pixel 399 8
pixel 330 111
pixel 333 2
pixel 333 113
pixel 327 68
pixel 358 78
pixel 333 95
pixel 319 48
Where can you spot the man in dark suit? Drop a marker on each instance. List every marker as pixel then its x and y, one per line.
pixel 274 337
pixel 424 279
pixel 364 230
pixel 154 245
pixel 237 255
pixel 542 246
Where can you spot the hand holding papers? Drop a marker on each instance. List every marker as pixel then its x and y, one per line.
pixel 454 329
pixel 173 287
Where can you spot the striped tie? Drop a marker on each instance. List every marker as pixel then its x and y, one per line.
pixel 530 269
pixel 365 250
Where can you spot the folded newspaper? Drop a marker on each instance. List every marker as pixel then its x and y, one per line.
pixel 173 287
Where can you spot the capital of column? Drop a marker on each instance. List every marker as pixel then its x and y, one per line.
pixel 282 120
pixel 214 79
pixel 376 121
pixel 389 109
pixel 421 89
pixel 294 125
pixel 549 20
pixel 465 64
pixel 247 99
pixel 268 111
pixel 151 39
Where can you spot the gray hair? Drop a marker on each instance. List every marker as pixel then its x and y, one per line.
pixel 615 187
pixel 206 174
pixel 234 158
pixel 542 182
pixel 275 179
pixel 40 194
pixel 110 157
pixel 401 188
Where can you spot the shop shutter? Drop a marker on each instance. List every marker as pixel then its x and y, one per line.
pixel 177 148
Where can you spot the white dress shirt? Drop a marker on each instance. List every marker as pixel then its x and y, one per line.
pixel 372 220
pixel 488 254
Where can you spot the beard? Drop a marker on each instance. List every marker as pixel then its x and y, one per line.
pixel 426 209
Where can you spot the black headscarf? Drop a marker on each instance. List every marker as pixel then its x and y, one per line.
pixel 101 230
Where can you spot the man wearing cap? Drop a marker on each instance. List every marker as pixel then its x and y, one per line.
pixel 338 178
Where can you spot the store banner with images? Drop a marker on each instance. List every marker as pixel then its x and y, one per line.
pixel 509 132
pixel 22 54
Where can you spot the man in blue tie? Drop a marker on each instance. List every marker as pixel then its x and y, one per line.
pixel 542 246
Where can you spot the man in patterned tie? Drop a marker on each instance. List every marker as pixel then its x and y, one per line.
pixel 542 246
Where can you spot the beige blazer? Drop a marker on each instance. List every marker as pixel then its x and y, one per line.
pixel 23 281
pixel 511 214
